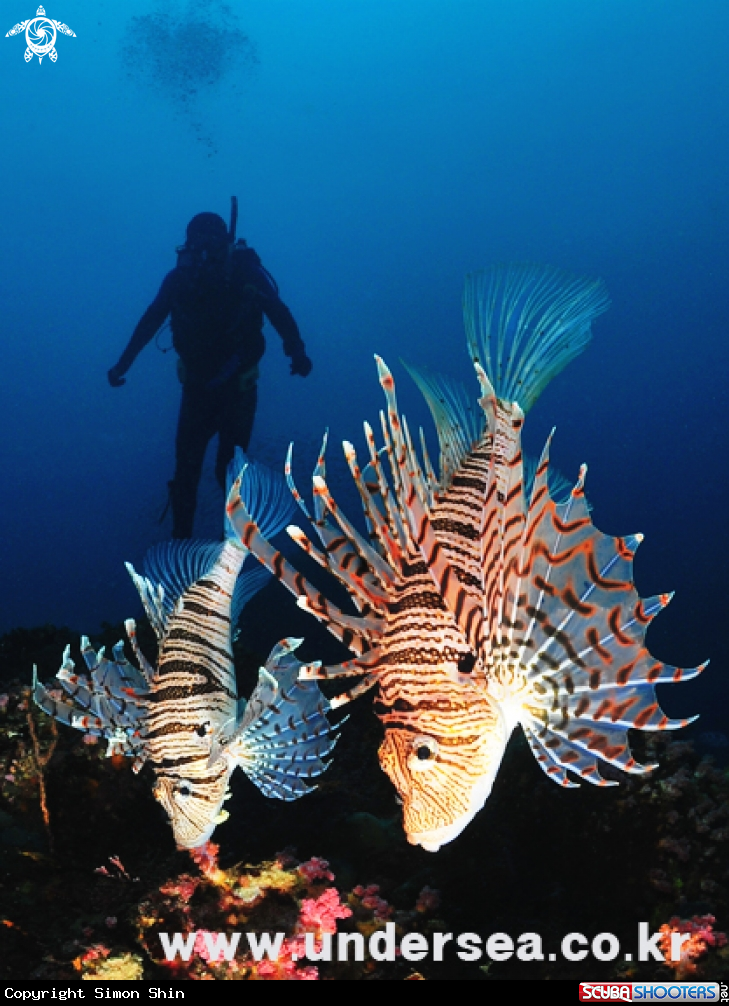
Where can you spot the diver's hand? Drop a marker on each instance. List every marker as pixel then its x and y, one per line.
pixel 301 365
pixel 115 377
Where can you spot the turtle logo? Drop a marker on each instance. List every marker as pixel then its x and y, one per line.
pixel 40 34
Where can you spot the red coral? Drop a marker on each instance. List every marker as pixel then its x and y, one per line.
pixel 183 888
pixel 371 899
pixel 316 869
pixel 96 952
pixel 701 937
pixel 428 900
pixel 286 967
pixel 206 857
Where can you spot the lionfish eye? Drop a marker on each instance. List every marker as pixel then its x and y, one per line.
pixel 423 753
pixel 184 790
pixel 466 663
pixel 202 730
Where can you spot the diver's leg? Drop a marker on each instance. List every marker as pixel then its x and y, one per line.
pixel 195 428
pixel 236 425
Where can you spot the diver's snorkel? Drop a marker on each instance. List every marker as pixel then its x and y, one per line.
pixel 233 219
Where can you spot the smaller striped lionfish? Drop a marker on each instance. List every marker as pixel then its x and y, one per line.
pixel 482 603
pixel 183 717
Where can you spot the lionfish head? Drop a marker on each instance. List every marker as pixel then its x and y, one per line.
pixel 443 762
pixel 194 806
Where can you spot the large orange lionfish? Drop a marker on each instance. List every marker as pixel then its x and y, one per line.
pixel 481 603
pixel 183 718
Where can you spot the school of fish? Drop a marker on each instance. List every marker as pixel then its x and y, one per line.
pixel 481 603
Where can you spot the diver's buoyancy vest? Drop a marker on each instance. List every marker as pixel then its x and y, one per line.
pixel 216 313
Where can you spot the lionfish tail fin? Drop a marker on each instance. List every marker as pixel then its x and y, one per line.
pixel 524 323
pixel 574 641
pixel 284 738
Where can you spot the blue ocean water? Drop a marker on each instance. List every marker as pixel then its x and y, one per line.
pixel 379 152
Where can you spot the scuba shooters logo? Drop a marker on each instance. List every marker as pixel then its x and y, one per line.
pixel 40 34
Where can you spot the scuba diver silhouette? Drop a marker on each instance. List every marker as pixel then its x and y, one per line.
pixel 216 298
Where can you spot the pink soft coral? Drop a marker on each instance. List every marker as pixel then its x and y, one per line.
pixel 286 967
pixel 320 914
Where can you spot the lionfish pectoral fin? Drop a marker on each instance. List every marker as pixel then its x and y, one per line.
pixel 575 630
pixel 109 703
pixel 286 743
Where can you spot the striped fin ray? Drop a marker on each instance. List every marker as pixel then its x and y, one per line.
pixel 396 467
pixel 458 425
pixel 78 716
pixel 346 555
pixel 152 596
pixel 391 531
pixel 577 629
pixel 267 494
pixel 349 669
pixel 289 475
pixel 560 486
pixel 425 491
pixel 524 323
pixel 358 558
pixel 343 627
pixel 286 743
pixel 369 488
pixel 117 676
pixel 429 471
pixel 146 669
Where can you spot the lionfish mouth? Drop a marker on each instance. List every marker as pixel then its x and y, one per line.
pixel 432 840
pixel 194 841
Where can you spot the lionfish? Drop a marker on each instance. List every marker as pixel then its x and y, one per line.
pixel 183 718
pixel 481 602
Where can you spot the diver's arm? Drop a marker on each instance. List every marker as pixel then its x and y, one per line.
pixel 283 321
pixel 149 324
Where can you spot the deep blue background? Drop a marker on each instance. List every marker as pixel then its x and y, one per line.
pixel 380 150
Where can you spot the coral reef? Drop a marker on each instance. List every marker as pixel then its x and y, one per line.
pixel 295 900
pixel 699 936
pixel 689 797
